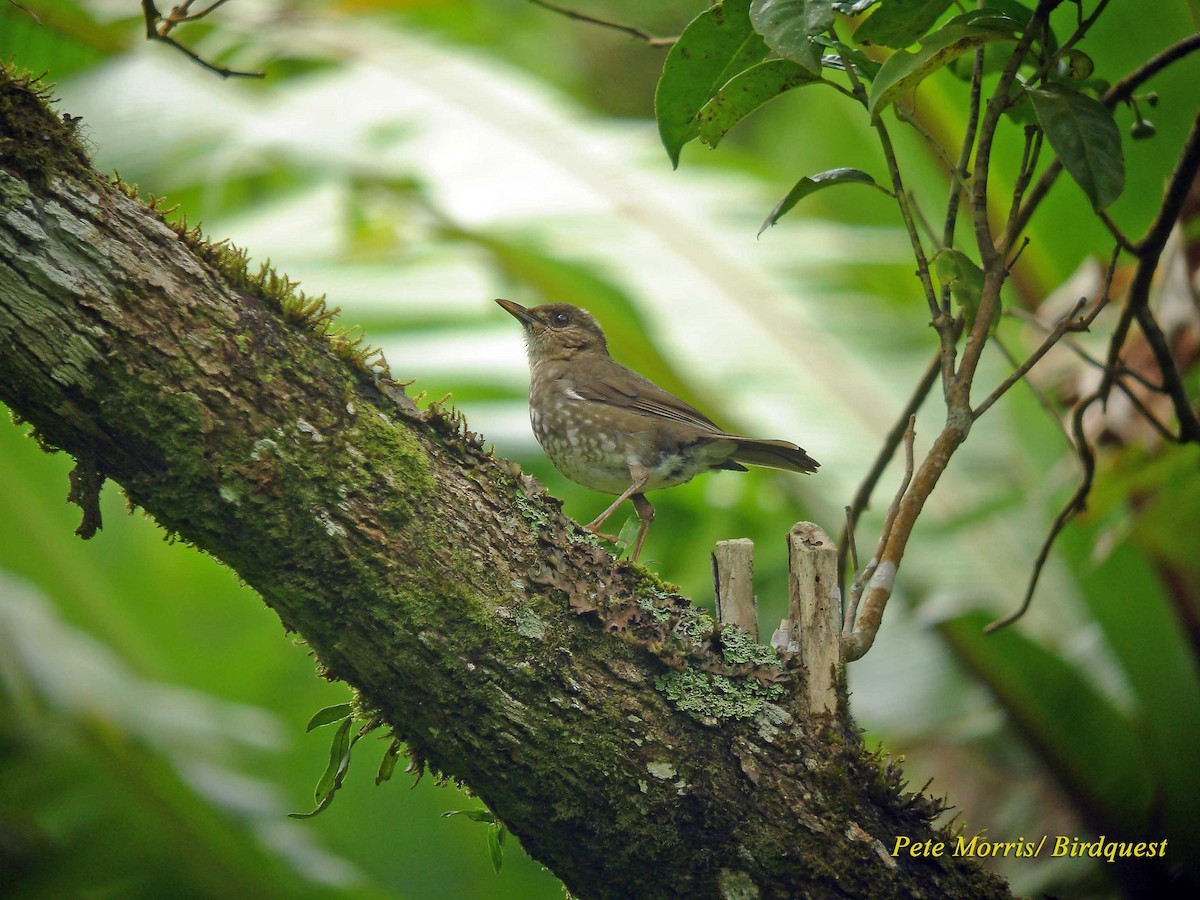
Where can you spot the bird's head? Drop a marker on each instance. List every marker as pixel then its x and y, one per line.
pixel 557 330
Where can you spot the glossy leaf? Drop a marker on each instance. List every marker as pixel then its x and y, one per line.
pixel 717 45
pixel 812 183
pixel 329 715
pixel 1086 139
pixel 1095 750
pixel 788 27
pixel 747 92
pixel 900 22
pixel 904 70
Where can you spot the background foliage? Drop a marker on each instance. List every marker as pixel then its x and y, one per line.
pixel 415 159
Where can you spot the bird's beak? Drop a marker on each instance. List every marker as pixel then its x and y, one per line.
pixel 518 312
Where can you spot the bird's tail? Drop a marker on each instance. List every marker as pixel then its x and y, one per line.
pixel 772 454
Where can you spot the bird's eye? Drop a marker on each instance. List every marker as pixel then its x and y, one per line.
pixel 560 319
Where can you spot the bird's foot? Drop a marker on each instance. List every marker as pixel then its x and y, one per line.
pixel 611 538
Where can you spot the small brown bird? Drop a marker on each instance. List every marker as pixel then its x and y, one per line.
pixel 609 429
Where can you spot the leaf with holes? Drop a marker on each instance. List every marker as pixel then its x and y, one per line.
pixel 747 92
pixel 1085 137
pixel 904 70
pixel 716 46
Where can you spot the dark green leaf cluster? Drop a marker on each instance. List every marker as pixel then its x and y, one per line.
pixel 339 752
pixel 738 55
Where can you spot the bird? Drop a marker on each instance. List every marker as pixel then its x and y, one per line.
pixel 612 430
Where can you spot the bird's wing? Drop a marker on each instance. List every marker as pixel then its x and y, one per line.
pixel 628 390
pixel 638 394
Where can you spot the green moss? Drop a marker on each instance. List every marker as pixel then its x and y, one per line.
pixel 36 143
pixel 705 694
pixel 737 885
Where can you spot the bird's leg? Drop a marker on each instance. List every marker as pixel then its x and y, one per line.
pixel 645 512
pixel 640 475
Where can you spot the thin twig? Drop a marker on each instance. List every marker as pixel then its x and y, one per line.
pixel 1130 395
pixel 1043 400
pixel 1065 324
pixel 630 30
pixel 863 577
pixel 891 441
pixel 992 258
pixel 1082 27
pixel 848 541
pixel 960 188
pixel 159 28
pixel 909 118
pixel 1029 161
pixel 1137 299
pixel 889 154
pixel 1073 507
pixel 1068 322
pixel 26 10
pixel 1114 229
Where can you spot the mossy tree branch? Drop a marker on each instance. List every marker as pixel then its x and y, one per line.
pixel 632 750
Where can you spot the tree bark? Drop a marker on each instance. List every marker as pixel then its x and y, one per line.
pixel 632 750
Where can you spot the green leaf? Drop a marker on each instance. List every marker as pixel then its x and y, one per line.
pixel 1094 749
pixel 1076 65
pixel 867 67
pixel 335 771
pixel 496 834
pixel 788 27
pixel 812 183
pixel 715 46
pixel 900 22
pixel 1086 138
pixel 904 70
pixel 339 761
pixel 475 815
pixel 329 715
pixel 387 765
pixel 748 91
pixel 853 7
pixel 958 272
